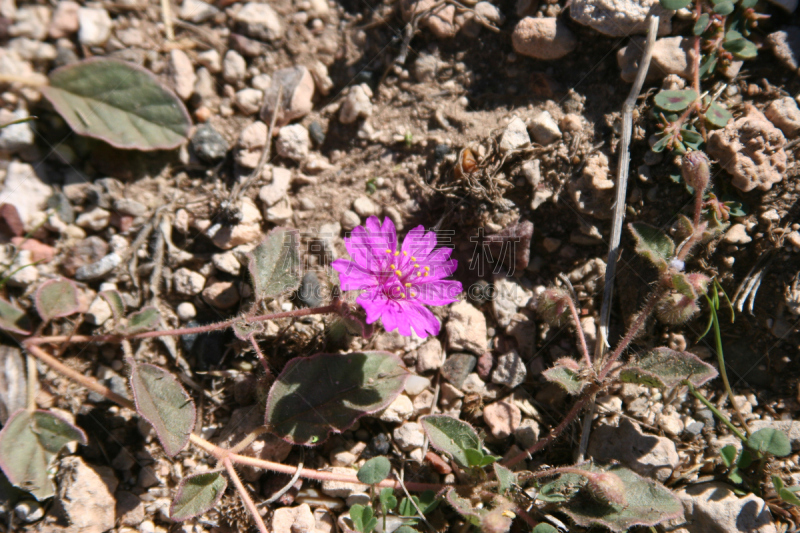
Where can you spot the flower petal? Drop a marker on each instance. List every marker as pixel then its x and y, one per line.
pixel 441 292
pixel 353 277
pixel 374 303
pixel 420 318
pixel 419 243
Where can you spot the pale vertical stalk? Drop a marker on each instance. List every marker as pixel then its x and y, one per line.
pixel 33 381
pixel 166 14
pixel 245 495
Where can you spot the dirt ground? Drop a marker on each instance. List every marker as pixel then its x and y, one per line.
pixel 434 102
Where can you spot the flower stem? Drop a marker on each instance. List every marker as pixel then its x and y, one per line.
pixel 581 336
pixel 725 420
pixel 332 308
pixel 215 451
pixel 245 495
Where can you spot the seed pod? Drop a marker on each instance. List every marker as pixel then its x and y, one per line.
pixel 466 163
pixel 553 306
pixel 607 488
pixel 696 171
pixel 676 308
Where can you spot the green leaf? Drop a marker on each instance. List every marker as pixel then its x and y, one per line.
pixel 770 440
pixel 777 482
pixel 145 320
pixel 326 393
pixel 474 457
pixel 717 116
pixel 701 24
pixel 735 476
pixel 275 264
pixel 544 527
pixel 196 494
pixel 666 368
pixel 12 319
pixel 567 377
pixel 648 503
pixel 675 100
pixel 114 299
pixel 405 529
pixel 388 500
pixel 748 3
pixel 119 103
pixel 662 143
pixel 451 436
pixel 653 244
pixel 745 459
pixel 163 402
pixel 363 518
pixel 505 478
pixel 724 8
pixel 464 507
pixel 691 137
pixel 741 47
pixel 374 470
pixel 789 497
pixel 709 65
pixel 426 502
pixel 28 443
pixel 728 455
pixel 675 5
pixel 56 298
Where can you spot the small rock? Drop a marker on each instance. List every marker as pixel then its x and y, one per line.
pixel 430 356
pixel 527 433
pixel 466 329
pixel 485 365
pixel 750 148
pixel 515 136
pixel 29 511
pixel 280 213
pixel 593 190
pixel 298 519
pixel 544 128
pixel 786 46
pixel 293 142
pixel 16 138
pixel 341 489
pixel 211 60
pixel 365 207
pixel 252 141
pixel 509 296
pixel 98 269
pixel 457 367
pixel 400 409
pixel 784 113
pixel 715 508
pixel 543 38
pixel 297 90
pixel 234 67
pixel 259 21
pixel 85 495
pixel 474 385
pixel 128 206
pixel 95 26
pixel 26 191
pixel 350 220
pixel 357 104
pixel 24 271
pixel 99 311
pixel 221 294
pixel 503 418
pixel 96 219
pixel 671 424
pixel 620 18
pixel 209 145
pixel 181 73
pixel 248 230
pixel 277 190
pixel 130 509
pixel 647 455
pixel 737 234
pixel 409 436
pixel 416 384
pixel 186 282
pixel 186 311
pixel 671 56
pixel 510 370
pixel 31 21
pixel 248 101
pixel 197 11
pixel 227 262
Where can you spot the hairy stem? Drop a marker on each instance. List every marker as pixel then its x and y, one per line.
pixel 215 451
pixel 558 430
pixel 245 495
pixel 260 354
pixel 332 308
pixel 581 337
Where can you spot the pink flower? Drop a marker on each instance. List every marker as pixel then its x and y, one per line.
pixel 398 283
